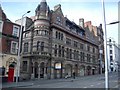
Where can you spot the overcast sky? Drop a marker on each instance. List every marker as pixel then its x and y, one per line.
pixel 90 10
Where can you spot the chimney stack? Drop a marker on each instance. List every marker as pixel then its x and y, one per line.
pixel 81 22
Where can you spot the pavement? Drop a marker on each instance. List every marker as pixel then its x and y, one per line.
pixel 36 81
pixel 96 81
pixel 14 84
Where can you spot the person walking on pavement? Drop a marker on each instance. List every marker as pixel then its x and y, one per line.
pixel 74 75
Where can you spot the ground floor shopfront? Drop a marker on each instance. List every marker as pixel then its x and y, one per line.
pixel 47 69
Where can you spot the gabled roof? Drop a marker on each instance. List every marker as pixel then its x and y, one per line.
pixel 74 24
pixel 58 10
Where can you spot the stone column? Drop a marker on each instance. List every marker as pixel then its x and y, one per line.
pixel 49 70
pixel 91 70
pixel 78 70
pixel 85 71
pixel 33 74
pixel 45 75
pixel 39 71
pixel 52 70
pixel 63 71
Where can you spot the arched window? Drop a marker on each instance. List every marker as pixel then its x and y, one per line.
pixel 59 35
pixel 62 51
pixel 70 53
pixel 67 52
pixel 59 52
pixel 42 46
pixel 58 19
pixel 38 45
pixel 55 52
pixel 56 34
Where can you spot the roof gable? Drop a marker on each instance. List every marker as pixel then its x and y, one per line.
pixel 58 10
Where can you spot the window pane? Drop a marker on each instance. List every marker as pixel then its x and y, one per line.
pixel 59 51
pixel 14 47
pixel 62 51
pixel 38 45
pixel 24 65
pixel 25 47
pixel 55 52
pixel 15 31
pixel 68 41
pixel 110 51
pixel 42 46
pixel 56 34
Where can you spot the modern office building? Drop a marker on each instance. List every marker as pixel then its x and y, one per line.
pixel 53 46
pixel 113 55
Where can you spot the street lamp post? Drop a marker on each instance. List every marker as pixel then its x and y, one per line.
pixel 19 47
pixel 114 22
pixel 105 44
pixel 105 41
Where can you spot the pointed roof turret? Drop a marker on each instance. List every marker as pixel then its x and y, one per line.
pixel 43 0
pixel 42 6
pixel 42 9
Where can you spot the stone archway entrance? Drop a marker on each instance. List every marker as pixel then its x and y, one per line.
pixel 11 61
pixel 93 70
pixel 88 70
pixel 76 69
pixel 36 70
pixel 42 68
pixel 68 70
pixel 11 73
pixel 12 70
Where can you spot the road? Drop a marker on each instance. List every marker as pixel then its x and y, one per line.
pixel 94 81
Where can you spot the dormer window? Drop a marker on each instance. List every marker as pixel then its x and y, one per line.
pixel 58 20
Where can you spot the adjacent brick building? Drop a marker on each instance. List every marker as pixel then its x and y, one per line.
pixel 9 37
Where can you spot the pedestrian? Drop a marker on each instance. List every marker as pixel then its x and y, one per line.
pixel 66 76
pixel 74 75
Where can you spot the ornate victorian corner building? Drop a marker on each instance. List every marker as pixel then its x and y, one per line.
pixel 53 46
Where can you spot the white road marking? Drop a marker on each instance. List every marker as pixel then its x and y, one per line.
pixel 115 81
pixel 98 83
pixel 38 85
pixel 116 86
pixel 91 85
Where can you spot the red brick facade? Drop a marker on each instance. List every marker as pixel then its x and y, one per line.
pixel 7 32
